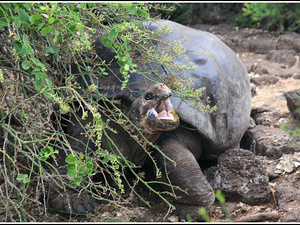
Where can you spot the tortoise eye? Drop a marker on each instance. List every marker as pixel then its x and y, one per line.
pixel 149 96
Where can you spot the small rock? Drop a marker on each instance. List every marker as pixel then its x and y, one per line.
pixel 288 163
pixel 264 80
pixel 296 76
pixel 172 219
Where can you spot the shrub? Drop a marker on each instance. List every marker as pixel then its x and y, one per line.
pixel 45 47
pixel 277 17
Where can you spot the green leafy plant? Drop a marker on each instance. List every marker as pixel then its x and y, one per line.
pixel 45 49
pixel 77 169
pixel 220 197
pixel 24 179
pixel 277 17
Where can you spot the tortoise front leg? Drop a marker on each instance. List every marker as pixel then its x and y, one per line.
pixel 185 173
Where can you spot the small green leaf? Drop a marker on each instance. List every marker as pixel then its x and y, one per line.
pixel 16 9
pixel 50 29
pixel 26 5
pixel 50 49
pixel 38 84
pixel 81 155
pixel 106 159
pixel 78 180
pixel 106 42
pixel 3 22
pixel 38 63
pixel 116 166
pixel 71 7
pixel 71 159
pixel 51 20
pixel 127 5
pixel 40 75
pixel 132 9
pixel 23 16
pixel 48 82
pixel 40 26
pixel 79 27
pixel 26 65
pixel 127 47
pixel 89 165
pixel 36 17
pixel 81 171
pixel 22 176
pixel 6 5
pixel 72 28
pixel 17 23
pixel 44 31
pixel 116 5
pixel 26 180
pixel 71 174
pixel 121 63
pixel 112 34
pixel 18 46
pixel 71 166
pixel 55 38
pixel 25 25
pixel 26 49
pixel 94 30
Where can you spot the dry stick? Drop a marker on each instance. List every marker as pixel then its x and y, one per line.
pixel 257 217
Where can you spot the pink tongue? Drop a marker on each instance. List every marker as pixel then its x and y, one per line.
pixel 164 115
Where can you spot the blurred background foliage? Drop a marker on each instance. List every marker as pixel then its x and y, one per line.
pixel 277 17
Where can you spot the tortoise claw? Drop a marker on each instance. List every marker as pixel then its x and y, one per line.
pixel 82 204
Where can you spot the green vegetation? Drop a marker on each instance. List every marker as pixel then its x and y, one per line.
pixel 202 211
pixel 277 17
pixel 193 13
pixel 45 49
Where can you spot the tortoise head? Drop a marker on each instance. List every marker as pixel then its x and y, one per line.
pixel 153 111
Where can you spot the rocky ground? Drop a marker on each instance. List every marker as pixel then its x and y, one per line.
pixel 274 70
pixel 270 168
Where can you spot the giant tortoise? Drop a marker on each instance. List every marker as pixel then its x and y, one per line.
pixel 201 135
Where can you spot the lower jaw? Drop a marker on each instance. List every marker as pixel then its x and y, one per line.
pixel 164 124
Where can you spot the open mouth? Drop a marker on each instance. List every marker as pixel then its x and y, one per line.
pixel 163 110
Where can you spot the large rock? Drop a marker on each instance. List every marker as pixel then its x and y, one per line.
pixel 288 197
pixel 293 102
pixel 240 176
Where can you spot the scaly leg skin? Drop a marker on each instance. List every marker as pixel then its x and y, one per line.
pixel 71 202
pixel 185 173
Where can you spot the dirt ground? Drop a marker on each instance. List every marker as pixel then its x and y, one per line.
pixel 271 76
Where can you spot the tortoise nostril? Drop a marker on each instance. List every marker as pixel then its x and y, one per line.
pixel 163 86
